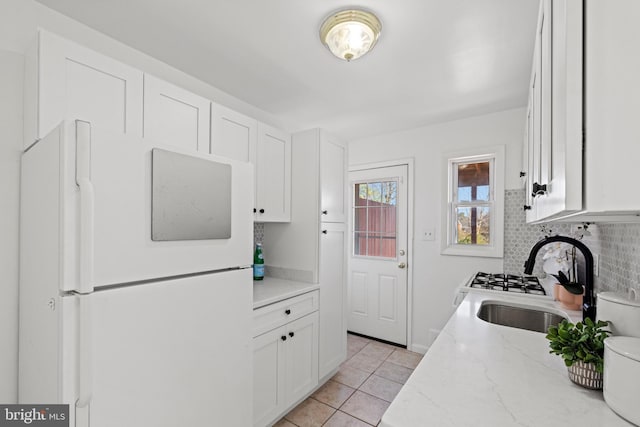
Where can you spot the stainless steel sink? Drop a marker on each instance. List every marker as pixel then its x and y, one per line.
pixel 529 318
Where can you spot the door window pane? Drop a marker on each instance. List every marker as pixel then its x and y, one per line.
pixel 374 219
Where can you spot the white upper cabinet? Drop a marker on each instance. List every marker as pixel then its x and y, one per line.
pixel 243 138
pixel 333 165
pixel 64 80
pixel 612 109
pixel 175 116
pixel 583 109
pixel 273 175
pixel 233 135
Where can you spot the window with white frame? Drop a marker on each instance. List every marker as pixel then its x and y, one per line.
pixel 475 203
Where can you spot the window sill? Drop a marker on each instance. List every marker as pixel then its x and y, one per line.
pixel 459 250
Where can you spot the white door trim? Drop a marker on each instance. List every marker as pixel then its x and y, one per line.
pixel 409 162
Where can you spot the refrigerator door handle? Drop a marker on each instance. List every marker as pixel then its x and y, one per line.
pixel 85 352
pixel 83 180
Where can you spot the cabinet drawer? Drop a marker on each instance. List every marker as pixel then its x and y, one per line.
pixel 279 313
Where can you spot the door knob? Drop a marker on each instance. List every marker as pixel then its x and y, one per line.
pixel 402 265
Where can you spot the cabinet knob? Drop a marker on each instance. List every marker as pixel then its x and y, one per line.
pixel 325 212
pixel 291 334
pixel 283 338
pixel 538 189
pixel 526 207
pixel 324 232
pixel 255 210
pixel 261 210
pixel 287 312
pixel 522 174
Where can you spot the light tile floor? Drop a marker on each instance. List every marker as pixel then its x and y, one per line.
pixel 361 391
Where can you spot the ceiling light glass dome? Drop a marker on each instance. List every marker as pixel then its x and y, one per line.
pixel 351 33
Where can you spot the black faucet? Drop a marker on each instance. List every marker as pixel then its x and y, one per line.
pixel 588 300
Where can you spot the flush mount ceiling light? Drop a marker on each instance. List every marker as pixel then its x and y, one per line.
pixel 350 33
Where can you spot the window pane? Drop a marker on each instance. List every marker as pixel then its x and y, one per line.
pixel 374 219
pixel 473 225
pixel 360 219
pixel 388 248
pixel 375 192
pixel 361 195
pixel 388 220
pixel 373 245
pixel 389 193
pixel 360 244
pixel 473 181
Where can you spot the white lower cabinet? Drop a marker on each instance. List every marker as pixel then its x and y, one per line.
pixel 333 295
pixel 285 366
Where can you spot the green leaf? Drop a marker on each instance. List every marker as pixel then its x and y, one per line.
pixel 582 341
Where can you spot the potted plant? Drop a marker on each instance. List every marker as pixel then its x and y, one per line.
pixel 581 346
pixel 567 292
pixel 560 262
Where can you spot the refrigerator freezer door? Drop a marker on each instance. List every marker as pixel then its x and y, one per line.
pixel 97 191
pixel 124 250
pixel 173 353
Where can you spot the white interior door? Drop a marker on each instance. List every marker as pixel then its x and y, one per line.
pixel 378 261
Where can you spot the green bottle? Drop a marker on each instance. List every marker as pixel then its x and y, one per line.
pixel 258 263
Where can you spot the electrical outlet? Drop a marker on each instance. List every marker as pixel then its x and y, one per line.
pixel 596 264
pixel 429 234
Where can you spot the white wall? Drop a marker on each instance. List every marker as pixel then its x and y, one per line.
pixel 11 71
pixel 18 22
pixel 436 276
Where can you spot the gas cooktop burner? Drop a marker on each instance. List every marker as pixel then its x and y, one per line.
pixel 508 283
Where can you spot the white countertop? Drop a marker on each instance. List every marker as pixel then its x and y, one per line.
pixel 270 290
pixel 481 374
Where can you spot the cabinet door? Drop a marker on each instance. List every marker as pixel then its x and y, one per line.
pixel 554 182
pixel 175 116
pixel 233 135
pixel 541 103
pixel 268 378
pixel 301 356
pixel 529 206
pixel 333 331
pixel 74 82
pixel 273 175
pixel 332 181
pixel 565 163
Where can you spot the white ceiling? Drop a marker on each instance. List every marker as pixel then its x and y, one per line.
pixel 436 60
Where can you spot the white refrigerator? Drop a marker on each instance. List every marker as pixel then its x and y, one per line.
pixel 136 286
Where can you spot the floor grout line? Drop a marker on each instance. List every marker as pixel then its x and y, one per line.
pixel 355 389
